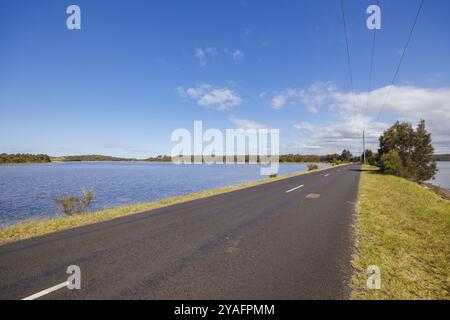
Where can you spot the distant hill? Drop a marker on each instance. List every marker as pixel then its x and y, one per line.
pixel 91 157
pixel 442 157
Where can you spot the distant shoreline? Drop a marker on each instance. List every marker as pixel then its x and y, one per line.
pixel 146 161
pixel 143 161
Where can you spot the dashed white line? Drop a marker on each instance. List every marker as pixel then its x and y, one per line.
pixel 293 189
pixel 326 175
pixel 47 291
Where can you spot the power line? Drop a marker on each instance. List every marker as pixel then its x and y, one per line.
pixel 401 60
pixel 348 56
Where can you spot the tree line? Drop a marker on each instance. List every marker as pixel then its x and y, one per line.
pixel 24 158
pixel 94 157
pixel 345 156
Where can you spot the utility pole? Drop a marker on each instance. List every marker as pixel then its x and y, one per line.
pixel 364 148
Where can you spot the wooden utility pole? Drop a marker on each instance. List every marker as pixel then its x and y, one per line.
pixel 364 148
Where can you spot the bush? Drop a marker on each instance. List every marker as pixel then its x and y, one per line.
pixel 312 166
pixel 391 163
pixel 414 148
pixel 71 205
pixel 273 175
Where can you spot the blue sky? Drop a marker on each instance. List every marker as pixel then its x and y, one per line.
pixel 137 70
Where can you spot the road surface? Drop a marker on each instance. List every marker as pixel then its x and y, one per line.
pixel 288 239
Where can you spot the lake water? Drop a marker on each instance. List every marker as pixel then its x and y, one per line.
pixel 442 177
pixel 28 191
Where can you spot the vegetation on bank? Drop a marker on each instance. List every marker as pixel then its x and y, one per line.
pixel 159 158
pixel 35 228
pixel 403 229
pixel 23 158
pixel 345 156
pixel 71 205
pixel 442 157
pixel 405 152
pixel 93 157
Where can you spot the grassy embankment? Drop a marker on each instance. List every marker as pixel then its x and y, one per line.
pixel 404 229
pixel 35 228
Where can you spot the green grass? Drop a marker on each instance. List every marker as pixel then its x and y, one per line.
pixel 35 228
pixel 405 230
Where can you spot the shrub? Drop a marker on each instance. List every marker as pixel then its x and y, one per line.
pixel 312 166
pixel 273 175
pixel 391 163
pixel 71 205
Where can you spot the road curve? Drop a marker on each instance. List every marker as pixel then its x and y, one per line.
pixel 288 239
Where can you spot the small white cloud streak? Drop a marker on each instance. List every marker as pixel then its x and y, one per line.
pixel 247 124
pixel 202 55
pixel 237 55
pixel 212 97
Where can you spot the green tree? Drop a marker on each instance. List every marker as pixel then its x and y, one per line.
pixel 371 157
pixel 399 137
pixel 414 148
pixel 345 156
pixel 422 157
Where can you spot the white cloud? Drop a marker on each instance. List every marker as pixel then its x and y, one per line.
pixel 345 133
pixel 202 55
pixel 237 55
pixel 278 101
pixel 212 97
pixel 262 94
pixel 304 126
pixel 405 103
pixel 247 124
pixel 313 98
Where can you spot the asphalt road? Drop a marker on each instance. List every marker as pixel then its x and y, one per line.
pixel 258 243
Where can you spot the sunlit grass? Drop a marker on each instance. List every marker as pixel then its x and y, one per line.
pixel 405 230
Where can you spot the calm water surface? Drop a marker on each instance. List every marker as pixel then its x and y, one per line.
pixel 28 191
pixel 442 177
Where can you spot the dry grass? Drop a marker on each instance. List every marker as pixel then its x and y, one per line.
pixel 35 228
pixel 405 230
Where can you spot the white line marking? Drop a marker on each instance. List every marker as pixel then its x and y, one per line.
pixel 47 291
pixel 326 175
pixel 293 189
